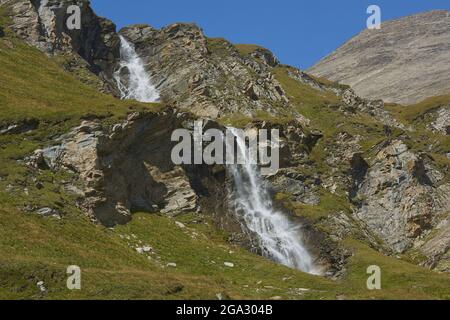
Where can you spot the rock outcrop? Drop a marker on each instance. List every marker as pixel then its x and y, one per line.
pixel 124 168
pixel 43 24
pixel 400 202
pixel 439 120
pixel 437 248
pixel 406 61
pixel 208 77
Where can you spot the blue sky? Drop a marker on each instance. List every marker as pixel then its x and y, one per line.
pixel 299 32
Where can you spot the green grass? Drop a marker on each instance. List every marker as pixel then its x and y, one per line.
pixel 329 83
pixel 407 114
pixel 246 49
pixel 329 204
pixel 308 99
pixel 34 86
pixel 35 249
pixel 218 46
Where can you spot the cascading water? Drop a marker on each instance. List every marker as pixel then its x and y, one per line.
pixel 278 238
pixel 139 85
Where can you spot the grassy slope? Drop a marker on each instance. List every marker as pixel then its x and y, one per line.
pixel 411 113
pixel 35 249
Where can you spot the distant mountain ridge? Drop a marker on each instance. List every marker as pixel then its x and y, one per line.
pixel 404 62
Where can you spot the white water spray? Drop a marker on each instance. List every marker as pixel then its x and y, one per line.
pixel 139 85
pixel 278 238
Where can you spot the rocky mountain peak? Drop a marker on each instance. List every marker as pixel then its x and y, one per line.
pixel 406 61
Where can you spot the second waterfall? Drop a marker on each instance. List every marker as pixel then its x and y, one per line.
pixel 138 84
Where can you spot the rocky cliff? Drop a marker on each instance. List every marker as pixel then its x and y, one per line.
pixel 406 61
pixel 353 170
pixel 207 76
pixel 42 23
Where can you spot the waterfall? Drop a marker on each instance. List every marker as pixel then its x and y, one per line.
pixel 278 238
pixel 138 85
pixel 46 16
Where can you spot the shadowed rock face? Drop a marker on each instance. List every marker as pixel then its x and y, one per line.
pixel 125 168
pixel 42 23
pixel 406 61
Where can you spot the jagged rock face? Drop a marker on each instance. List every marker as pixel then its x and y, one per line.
pixel 437 249
pixel 207 77
pixel 43 23
pixel 374 108
pixel 351 102
pixel 400 203
pixel 406 61
pixel 126 168
pixel 440 120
